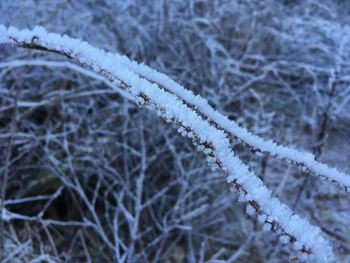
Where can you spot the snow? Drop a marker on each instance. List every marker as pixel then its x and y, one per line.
pixel 250 210
pixel 284 239
pixel 170 107
pixel 304 159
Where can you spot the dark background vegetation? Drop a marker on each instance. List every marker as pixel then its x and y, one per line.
pixel 89 157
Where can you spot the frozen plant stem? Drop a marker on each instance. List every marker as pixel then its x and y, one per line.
pixel 305 160
pixel 210 139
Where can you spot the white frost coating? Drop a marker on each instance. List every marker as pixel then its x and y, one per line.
pixel 305 234
pixel 284 239
pixel 303 158
pixel 306 159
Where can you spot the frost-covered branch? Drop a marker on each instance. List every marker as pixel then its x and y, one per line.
pixel 210 140
pixel 65 64
pixel 257 144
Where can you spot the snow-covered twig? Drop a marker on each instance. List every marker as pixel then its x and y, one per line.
pixel 68 65
pixel 257 144
pixel 210 140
